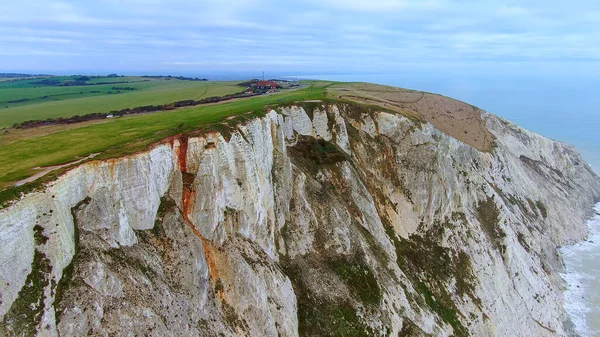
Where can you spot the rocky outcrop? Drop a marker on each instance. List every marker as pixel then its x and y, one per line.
pixel 333 220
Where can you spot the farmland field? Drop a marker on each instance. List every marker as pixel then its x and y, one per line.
pixel 23 150
pixel 38 99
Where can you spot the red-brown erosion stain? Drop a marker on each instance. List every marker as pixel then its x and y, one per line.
pixel 182 153
pixel 188 197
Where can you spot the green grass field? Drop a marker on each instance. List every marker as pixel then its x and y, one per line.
pixel 24 100
pixel 32 82
pixel 8 79
pixel 129 134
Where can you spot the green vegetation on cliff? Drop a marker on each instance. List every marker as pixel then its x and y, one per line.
pixel 321 316
pixel 25 314
pixel 431 266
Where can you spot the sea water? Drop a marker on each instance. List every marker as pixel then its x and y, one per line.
pixel 582 297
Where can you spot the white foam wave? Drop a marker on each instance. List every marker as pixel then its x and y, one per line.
pixel 582 275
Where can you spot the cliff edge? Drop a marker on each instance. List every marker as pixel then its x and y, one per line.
pixel 316 219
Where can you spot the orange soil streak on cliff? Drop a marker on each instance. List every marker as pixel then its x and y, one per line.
pixel 210 259
pixel 187 201
pixel 182 153
pixel 208 250
pixel 188 195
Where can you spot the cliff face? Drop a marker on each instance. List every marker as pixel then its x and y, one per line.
pixel 334 220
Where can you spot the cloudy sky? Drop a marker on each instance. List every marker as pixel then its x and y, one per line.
pixel 182 36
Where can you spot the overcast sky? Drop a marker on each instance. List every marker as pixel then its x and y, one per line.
pixel 296 36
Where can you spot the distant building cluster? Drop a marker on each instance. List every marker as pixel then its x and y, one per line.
pixel 263 87
pixel 266 85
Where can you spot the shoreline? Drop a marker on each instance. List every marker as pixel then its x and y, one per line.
pixel 582 276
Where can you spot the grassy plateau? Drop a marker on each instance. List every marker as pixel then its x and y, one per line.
pixel 38 99
pixel 22 151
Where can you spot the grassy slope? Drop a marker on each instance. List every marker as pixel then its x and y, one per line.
pixel 8 79
pixel 8 93
pixel 30 82
pixel 128 134
pixel 79 100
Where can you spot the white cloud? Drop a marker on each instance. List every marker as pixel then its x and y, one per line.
pixel 382 6
pixel 322 34
pixel 512 11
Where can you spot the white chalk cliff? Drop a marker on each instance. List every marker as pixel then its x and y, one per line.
pixel 335 221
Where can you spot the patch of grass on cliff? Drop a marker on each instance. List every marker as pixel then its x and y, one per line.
pixel 25 314
pixel 511 199
pixel 447 313
pixel 466 277
pixel 410 329
pixel 523 242
pixel 231 317
pixel 431 267
pixel 166 204
pixel 322 317
pixel 488 215
pixel 359 278
pixel 542 207
pixel 316 151
pixel 312 154
pixel 15 192
pixel 38 235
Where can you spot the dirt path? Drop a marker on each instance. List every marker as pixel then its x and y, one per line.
pixel 48 169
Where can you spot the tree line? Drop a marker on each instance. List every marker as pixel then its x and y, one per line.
pixel 127 111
